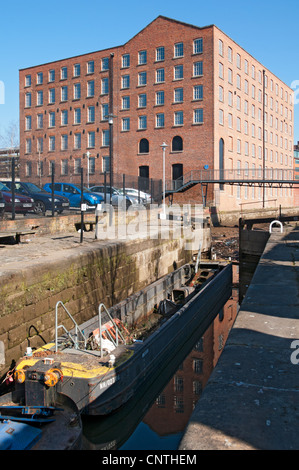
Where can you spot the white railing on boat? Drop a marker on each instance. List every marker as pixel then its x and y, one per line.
pixel 77 336
pixel 117 330
pixel 74 336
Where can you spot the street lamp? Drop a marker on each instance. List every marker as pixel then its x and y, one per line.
pixel 88 155
pixel 163 215
pixel 110 122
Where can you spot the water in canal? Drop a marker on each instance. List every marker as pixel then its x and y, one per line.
pixel 157 418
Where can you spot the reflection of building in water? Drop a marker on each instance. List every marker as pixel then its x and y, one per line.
pixel 173 407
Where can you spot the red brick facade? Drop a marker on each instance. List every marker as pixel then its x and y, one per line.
pixel 157 105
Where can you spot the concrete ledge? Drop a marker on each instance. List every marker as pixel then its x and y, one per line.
pixel 251 399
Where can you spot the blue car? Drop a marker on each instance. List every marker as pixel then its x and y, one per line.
pixel 42 198
pixel 73 193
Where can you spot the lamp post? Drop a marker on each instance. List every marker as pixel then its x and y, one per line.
pixel 88 155
pixel 163 215
pixel 110 122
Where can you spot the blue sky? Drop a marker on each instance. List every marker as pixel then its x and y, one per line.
pixel 35 32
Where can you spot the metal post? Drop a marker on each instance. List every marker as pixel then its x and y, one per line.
pixel 82 213
pixel 87 156
pixel 164 208
pixel 264 188
pixel 52 187
pixel 13 178
pixel 110 119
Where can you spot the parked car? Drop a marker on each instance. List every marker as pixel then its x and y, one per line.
pixel 2 206
pixel 73 193
pixel 23 204
pixel 42 199
pixel 117 198
pixel 145 198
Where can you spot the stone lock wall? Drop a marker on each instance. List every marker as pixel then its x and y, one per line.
pixel 107 273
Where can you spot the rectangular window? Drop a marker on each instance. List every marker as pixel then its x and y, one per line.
pixel 142 100
pixel 178 95
pixel 64 93
pixel 125 102
pixel 90 114
pixel 126 60
pixel 52 119
pixel 178 72
pixel 142 78
pixel 28 146
pixel 221 116
pixel 28 100
pixel 198 92
pixel 40 119
pixel 77 140
pixel 51 143
pixel 198 116
pixel 64 167
pixel 28 168
pixel 160 120
pixel 77 70
pixel 92 165
pixel 178 118
pixel 197 46
pixel 90 88
pixel 51 75
pixel 77 91
pixel 160 75
pixel 105 111
pixel 126 124
pixel 52 96
pixel 39 78
pixel 142 57
pixel 63 73
pixel 77 166
pixel 91 139
pixel 28 80
pixel 64 117
pixel 179 49
pixel 105 64
pixel 64 142
pixel 105 138
pixel 160 54
pixel 40 98
pixel 142 122
pixel 40 144
pixel 28 123
pixel 125 81
pixel 160 98
pixel 197 69
pixel 104 86
pixel 77 116
pixel 90 66
pixel 106 164
pixel 221 70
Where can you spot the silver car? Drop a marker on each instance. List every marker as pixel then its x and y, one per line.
pixel 118 200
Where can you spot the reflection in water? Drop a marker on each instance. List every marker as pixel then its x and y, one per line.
pixel 156 419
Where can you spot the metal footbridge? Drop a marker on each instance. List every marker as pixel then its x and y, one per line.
pixel 271 177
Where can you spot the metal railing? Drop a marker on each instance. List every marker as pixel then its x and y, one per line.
pixel 118 333
pixel 73 337
pixel 247 175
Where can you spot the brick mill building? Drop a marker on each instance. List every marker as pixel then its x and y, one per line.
pixel 194 88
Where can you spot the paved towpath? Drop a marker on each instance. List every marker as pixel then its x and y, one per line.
pixel 252 398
